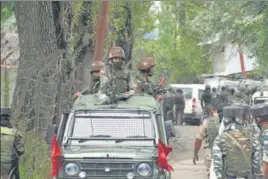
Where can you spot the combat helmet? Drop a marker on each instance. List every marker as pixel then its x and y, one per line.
pixel 260 110
pixel 146 63
pixel 239 113
pixel 96 66
pixel 116 52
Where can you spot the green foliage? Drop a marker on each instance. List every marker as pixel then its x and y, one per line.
pixel 6 11
pixel 177 47
pixel 35 163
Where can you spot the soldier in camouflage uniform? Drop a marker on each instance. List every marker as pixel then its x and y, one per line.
pixel 238 98
pixel 12 145
pixel 123 82
pixel 146 69
pixel 235 152
pixel 260 113
pixel 95 70
pixel 208 132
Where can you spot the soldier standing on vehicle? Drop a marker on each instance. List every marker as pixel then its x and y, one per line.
pixel 235 152
pixel 208 132
pixel 206 100
pixel 12 146
pixel 95 70
pixel 168 103
pixel 260 113
pixel 179 106
pixel 123 82
pixel 146 69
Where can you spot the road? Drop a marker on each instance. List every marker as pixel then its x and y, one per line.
pixel 181 160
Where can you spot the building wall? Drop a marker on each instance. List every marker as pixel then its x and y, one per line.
pixel 228 62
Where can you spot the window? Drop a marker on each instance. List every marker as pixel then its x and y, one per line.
pixel 187 92
pixel 113 125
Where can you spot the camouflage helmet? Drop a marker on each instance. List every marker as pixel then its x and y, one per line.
pixel 116 52
pixel 146 63
pixel 96 66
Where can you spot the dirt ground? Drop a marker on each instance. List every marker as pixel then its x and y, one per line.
pixel 181 159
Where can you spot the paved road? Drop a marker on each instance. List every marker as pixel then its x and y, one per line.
pixel 182 160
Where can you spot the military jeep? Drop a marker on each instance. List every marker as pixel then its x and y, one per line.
pixel 112 141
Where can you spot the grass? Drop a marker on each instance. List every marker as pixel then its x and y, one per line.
pixel 35 163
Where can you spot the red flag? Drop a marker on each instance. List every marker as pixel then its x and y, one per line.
pixel 55 157
pixel 163 152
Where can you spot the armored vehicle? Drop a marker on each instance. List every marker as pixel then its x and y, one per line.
pixel 112 141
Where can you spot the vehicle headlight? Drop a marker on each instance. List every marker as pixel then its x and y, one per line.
pixel 144 169
pixel 71 169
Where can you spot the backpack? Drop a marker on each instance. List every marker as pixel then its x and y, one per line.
pixel 238 160
pixel 212 130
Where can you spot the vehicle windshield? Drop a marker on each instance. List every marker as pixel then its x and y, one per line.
pixel 112 129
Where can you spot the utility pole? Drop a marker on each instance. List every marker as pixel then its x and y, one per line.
pixel 242 63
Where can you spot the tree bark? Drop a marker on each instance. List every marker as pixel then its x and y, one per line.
pixel 36 84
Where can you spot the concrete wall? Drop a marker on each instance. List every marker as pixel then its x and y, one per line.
pixel 229 61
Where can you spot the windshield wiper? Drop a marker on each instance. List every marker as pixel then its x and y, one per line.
pixel 133 136
pixel 84 140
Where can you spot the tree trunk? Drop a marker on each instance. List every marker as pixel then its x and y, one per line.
pixel 36 84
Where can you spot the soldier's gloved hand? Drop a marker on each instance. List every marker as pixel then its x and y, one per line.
pixel 195 158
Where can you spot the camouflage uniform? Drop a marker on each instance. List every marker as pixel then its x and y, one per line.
pixel 122 79
pixel 144 85
pixel 260 111
pixel 221 148
pixel 238 98
pixel 202 135
pixel 208 131
pixel 12 145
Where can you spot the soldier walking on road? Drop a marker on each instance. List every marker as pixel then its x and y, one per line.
pixel 208 132
pixel 12 146
pixel 146 69
pixel 168 103
pixel 179 106
pixel 235 152
pixel 224 94
pixel 206 100
pixel 260 113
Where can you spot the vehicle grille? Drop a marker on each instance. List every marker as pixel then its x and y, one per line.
pixel 116 169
